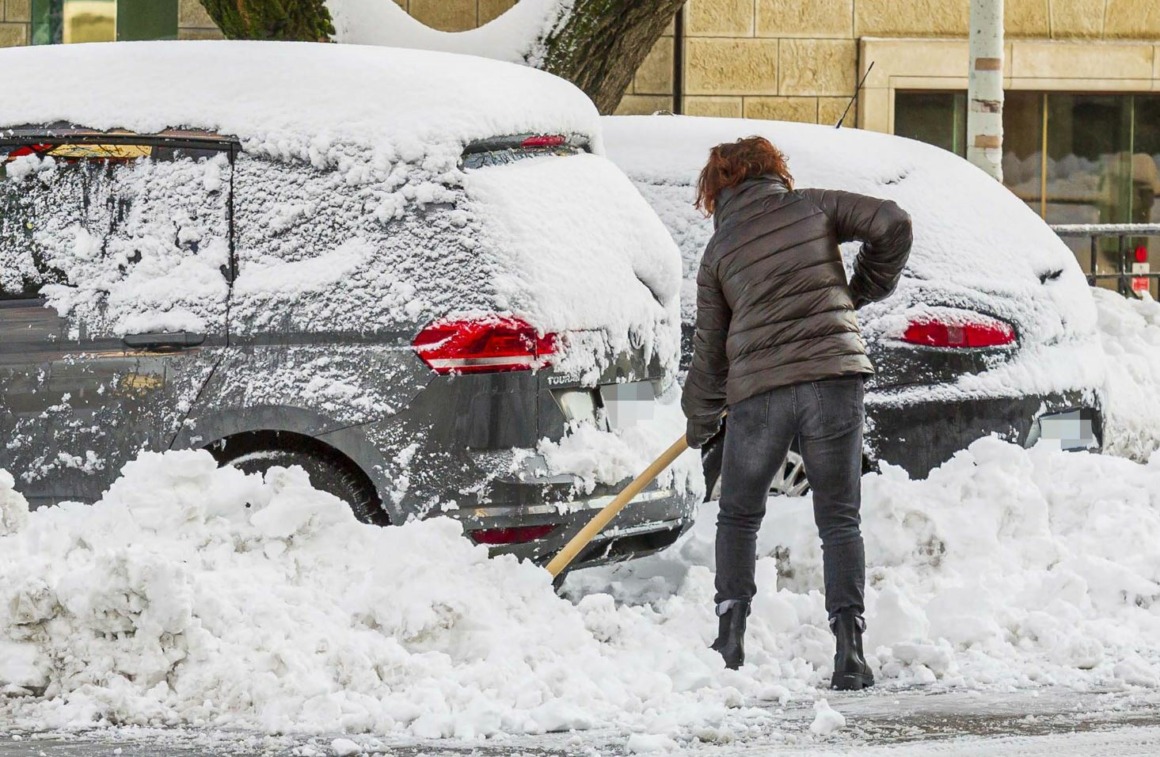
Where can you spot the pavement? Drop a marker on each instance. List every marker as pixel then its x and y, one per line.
pixel 1047 722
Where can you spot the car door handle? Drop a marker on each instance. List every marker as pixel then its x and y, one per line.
pixel 163 340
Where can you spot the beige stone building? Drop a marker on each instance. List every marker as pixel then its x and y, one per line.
pixel 1082 77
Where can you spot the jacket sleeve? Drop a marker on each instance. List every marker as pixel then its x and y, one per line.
pixel 703 398
pixel 885 232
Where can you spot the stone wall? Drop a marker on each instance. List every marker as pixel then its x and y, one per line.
pixel 797 60
pixel 15 22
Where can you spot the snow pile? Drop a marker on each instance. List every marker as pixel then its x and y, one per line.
pixel 202 596
pixel 517 36
pixel 193 595
pixel 1005 567
pixel 1130 332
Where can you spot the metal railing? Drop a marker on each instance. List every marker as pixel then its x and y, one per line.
pixel 1122 231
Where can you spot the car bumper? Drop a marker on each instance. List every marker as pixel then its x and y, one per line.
pixel 650 522
pixel 920 436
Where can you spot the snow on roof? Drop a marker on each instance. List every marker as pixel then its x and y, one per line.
pixel 964 223
pixel 294 97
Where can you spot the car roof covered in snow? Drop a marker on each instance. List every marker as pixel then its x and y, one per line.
pixel 299 96
pixel 964 222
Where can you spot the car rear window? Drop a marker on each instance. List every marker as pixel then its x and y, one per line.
pixel 503 150
pixel 79 211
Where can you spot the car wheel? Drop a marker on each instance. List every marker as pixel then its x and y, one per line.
pixel 789 481
pixel 325 475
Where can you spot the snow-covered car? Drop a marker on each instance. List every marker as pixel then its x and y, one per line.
pixel 407 272
pixel 992 329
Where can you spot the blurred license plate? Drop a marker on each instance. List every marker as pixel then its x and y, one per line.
pixel 1071 430
pixel 628 404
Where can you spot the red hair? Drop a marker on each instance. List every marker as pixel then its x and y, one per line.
pixel 734 162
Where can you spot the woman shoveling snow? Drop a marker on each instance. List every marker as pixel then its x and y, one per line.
pixel 777 342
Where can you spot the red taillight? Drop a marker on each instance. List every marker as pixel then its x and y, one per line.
pixel 489 345
pixel 989 332
pixel 544 140
pixel 518 535
pixel 20 152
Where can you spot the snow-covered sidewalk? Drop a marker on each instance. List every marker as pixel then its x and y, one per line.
pixel 202 597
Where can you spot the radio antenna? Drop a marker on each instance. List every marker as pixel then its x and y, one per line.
pixel 855 97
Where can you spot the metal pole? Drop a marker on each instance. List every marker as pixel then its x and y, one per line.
pixel 679 62
pixel 985 87
pixel 1095 259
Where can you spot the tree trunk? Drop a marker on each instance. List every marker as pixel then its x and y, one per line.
pixel 301 20
pixel 601 43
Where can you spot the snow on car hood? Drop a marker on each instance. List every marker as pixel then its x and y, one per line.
pixel 576 248
pixel 976 246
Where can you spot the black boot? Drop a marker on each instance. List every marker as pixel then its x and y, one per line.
pixel 731 633
pixel 851 673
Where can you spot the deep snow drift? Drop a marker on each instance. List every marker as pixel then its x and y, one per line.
pixel 196 595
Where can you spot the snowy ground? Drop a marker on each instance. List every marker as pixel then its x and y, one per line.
pixel 1012 593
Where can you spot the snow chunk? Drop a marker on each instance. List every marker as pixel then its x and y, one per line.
pixel 345 748
pixel 647 743
pixel 827 720
pixel 13 507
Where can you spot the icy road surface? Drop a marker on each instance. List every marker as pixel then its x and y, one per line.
pixel 1049 722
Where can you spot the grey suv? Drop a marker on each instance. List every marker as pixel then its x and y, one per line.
pixel 182 289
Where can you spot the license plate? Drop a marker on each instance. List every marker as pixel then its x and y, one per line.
pixel 1071 430
pixel 578 405
pixel 628 404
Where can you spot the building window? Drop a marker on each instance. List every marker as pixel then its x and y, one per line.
pixel 937 118
pixel 1072 157
pixel 70 21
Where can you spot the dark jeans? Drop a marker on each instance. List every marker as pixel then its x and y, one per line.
pixel 826 416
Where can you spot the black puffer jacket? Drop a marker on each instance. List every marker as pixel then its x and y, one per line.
pixel 773 304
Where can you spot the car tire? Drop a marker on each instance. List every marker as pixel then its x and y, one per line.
pixel 325 475
pixel 789 481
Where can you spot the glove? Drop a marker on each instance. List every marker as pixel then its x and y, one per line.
pixel 697 432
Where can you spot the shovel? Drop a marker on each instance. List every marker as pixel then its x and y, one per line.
pixel 578 542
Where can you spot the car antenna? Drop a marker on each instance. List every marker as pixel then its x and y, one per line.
pixel 855 97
